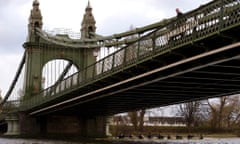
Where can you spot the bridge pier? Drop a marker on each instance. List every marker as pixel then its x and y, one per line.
pixel 58 125
pixel 80 126
pixel 30 126
pixel 12 124
pixel 96 127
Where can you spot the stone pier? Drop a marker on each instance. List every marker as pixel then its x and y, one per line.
pixel 12 124
pixel 25 125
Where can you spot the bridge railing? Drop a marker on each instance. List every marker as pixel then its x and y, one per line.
pixel 10 106
pixel 211 19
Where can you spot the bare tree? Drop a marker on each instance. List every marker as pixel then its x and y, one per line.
pixel 190 111
pixel 134 119
pixel 235 117
pixel 141 119
pixel 137 119
pixel 225 111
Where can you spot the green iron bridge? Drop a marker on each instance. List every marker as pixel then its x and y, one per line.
pixel 173 61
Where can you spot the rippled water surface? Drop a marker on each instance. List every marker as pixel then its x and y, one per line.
pixel 126 141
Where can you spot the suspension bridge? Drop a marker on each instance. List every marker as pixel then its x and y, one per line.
pixel 76 82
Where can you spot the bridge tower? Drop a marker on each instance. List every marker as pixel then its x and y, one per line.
pixel 33 68
pixel 39 51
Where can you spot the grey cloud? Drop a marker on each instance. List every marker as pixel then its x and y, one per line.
pixel 170 6
pixel 13 27
pixel 122 21
pixel 4 3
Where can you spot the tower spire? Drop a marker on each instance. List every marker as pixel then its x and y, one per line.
pixel 36 2
pixel 35 19
pixel 88 22
pixel 89 6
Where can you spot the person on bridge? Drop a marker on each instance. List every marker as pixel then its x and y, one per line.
pixel 179 13
pixel 181 21
pixel 177 33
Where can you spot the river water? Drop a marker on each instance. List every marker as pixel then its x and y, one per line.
pixel 125 141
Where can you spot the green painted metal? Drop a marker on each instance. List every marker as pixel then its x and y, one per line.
pixel 39 54
pixel 212 19
pixel 39 51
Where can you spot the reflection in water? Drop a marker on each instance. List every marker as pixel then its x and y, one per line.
pixel 126 141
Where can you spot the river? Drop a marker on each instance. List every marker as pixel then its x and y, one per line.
pixel 125 141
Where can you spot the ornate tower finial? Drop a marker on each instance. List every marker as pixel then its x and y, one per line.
pixel 35 3
pixel 88 23
pixel 89 6
pixel 35 19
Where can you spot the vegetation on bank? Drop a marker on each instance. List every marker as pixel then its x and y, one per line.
pixel 219 116
pixel 175 130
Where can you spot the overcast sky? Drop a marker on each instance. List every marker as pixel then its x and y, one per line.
pixel 112 16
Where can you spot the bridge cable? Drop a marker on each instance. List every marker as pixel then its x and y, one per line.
pixel 61 77
pixel 65 71
pixel 9 92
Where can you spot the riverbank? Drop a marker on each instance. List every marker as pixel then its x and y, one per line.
pixel 183 138
pixel 137 138
pixel 167 130
pixel 140 137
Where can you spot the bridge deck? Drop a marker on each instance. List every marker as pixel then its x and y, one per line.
pixel 211 76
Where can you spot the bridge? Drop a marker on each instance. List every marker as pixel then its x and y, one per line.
pixel 175 60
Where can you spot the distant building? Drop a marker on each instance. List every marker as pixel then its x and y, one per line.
pixel 165 121
pixel 150 121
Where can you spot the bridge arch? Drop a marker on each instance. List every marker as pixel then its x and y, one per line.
pixel 51 53
pixel 40 52
pixel 56 70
